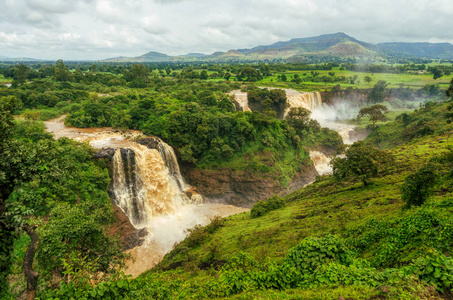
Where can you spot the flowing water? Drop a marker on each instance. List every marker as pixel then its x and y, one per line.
pixel 148 187
pixel 329 116
pixel 310 100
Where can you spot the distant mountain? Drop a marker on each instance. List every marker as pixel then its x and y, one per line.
pixel 195 55
pixel 154 56
pixel 147 57
pixel 428 50
pixel 18 59
pixel 337 45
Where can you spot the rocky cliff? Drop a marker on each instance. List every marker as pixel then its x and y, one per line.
pixel 242 188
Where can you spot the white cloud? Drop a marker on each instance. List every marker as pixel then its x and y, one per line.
pixel 96 29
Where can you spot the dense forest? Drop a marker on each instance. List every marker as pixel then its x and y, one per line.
pixel 379 227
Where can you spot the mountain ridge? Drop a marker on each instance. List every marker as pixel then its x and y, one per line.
pixel 339 45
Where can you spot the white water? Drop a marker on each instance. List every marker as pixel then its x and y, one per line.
pixel 295 99
pixel 330 116
pixel 310 100
pixel 321 162
pixel 241 98
pixel 149 189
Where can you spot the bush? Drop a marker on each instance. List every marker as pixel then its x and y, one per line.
pixel 435 268
pixel 195 236
pixel 314 252
pixel 419 186
pixel 262 207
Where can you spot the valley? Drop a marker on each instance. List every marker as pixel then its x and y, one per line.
pixel 156 183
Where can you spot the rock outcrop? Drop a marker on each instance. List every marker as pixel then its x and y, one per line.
pixel 242 188
pixel 122 227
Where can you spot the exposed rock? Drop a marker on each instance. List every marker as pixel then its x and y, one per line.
pixel 151 142
pixel 105 153
pixel 242 188
pixel 130 236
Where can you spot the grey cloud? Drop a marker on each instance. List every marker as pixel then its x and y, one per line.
pixel 54 6
pixel 95 29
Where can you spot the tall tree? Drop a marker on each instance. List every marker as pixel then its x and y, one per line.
pixel 361 162
pixel 377 94
pixel 21 73
pixel 61 72
pixel 375 113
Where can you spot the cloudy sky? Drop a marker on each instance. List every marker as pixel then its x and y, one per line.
pixel 97 29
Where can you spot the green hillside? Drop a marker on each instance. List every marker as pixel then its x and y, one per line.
pixel 330 240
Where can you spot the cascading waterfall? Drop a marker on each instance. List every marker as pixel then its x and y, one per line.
pixel 149 189
pixel 169 157
pixel 148 183
pixel 310 101
pixel 321 162
pixel 128 186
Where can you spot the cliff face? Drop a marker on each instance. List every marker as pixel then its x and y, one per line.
pixel 130 236
pixel 242 188
pixel 122 227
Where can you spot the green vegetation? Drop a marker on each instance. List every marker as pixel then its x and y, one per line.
pixel 56 194
pixel 331 238
pixel 375 113
pixel 362 162
pixel 380 227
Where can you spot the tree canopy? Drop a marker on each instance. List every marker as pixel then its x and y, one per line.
pixel 362 162
pixel 375 113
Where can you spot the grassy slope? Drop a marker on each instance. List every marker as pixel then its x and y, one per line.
pixel 409 80
pixel 396 133
pixel 322 208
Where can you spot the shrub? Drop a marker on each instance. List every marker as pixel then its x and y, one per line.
pixel 314 252
pixel 435 268
pixel 419 186
pixel 195 236
pixel 262 207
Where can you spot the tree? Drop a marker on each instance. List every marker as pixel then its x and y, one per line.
pixel 375 113
pixel 93 68
pixel 437 73
pixel 377 94
pixel 21 73
pixel 204 75
pixel 56 179
pixel 61 72
pixel 299 119
pixel 137 72
pixel 419 186
pixel 251 74
pixel 362 162
pixel 449 91
pixel 368 79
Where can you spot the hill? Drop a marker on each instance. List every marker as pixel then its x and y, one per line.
pixel 428 50
pixel 147 57
pixel 334 44
pixel 18 59
pixel 331 46
pixel 333 239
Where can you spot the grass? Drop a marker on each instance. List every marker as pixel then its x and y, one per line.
pixel 394 80
pixel 323 207
pixel 4 80
pixel 396 133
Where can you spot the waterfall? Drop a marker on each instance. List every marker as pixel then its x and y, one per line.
pixel 128 186
pixel 147 183
pixel 321 162
pixel 169 157
pixel 309 101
